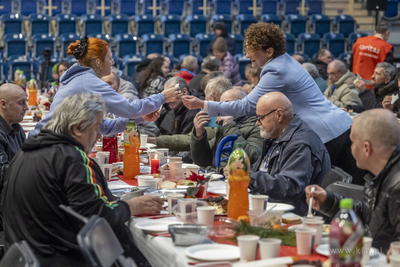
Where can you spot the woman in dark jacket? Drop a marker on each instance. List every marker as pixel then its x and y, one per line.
pixel 220 30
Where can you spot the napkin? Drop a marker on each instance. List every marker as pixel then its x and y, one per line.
pixel 394 98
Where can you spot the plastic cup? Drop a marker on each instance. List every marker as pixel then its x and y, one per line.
pixel 248 247
pixel 175 159
pixel 163 155
pixel 153 183
pixel 303 219
pixel 395 247
pixel 394 260
pixel 305 240
pixel 95 160
pixel 269 248
pixel 317 225
pixel 187 205
pixel 103 157
pixel 367 243
pixel 106 169
pixel 140 179
pixel 259 202
pixel 190 170
pixel 173 200
pixel 205 215
pixel 143 139
pixel 175 165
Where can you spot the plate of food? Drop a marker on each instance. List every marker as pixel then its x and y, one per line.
pixel 213 252
pixel 155 226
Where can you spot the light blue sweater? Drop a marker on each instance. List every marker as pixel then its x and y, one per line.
pixel 78 79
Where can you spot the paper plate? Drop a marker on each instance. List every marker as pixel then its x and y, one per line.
pixel 185 165
pixel 324 250
pixel 280 206
pixel 213 252
pixel 216 177
pixel 148 146
pixel 155 226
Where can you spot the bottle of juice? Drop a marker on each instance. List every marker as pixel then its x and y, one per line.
pixel 239 167
pixel 345 237
pixel 32 89
pixel 131 145
pixel 22 80
pixel 110 144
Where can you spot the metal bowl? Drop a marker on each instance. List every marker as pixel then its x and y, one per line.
pixel 188 234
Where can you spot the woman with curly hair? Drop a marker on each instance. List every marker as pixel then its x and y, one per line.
pixel 265 47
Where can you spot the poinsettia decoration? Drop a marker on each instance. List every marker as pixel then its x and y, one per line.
pixel 199 180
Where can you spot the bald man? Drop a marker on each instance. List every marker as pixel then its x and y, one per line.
pixel 12 111
pixel 188 69
pixel 293 155
pixel 376 136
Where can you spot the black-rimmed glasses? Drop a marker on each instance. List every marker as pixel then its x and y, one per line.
pixel 262 117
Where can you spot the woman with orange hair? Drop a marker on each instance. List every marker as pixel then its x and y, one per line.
pixel 95 61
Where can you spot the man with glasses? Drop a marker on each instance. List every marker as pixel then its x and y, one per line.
pixel 293 155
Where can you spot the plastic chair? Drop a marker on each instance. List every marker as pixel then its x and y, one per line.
pixel 244 7
pixel 345 24
pixel 335 43
pixel 296 24
pixel 174 7
pixel 320 24
pixel 226 19
pixel 270 7
pixel 221 148
pixel 202 41
pixel 170 24
pixel 92 24
pixel 11 23
pixel 335 174
pixel 290 43
pixel 78 7
pixel 15 44
pixel 196 24
pixel 392 10
pixel 41 42
pixel 118 24
pixel 272 18
pixel 66 23
pixel 244 21
pixel 179 44
pixel 309 43
pixel 353 38
pixel 242 62
pixel 127 7
pixel 53 60
pixel 148 7
pixel 65 40
pixel 20 255
pixel 315 7
pixel 239 39
pixel 290 7
pixel 222 7
pixel 144 24
pixel 38 23
pixel 126 44
pixel 6 4
pixel 153 43
pixel 24 63
pixel 353 191
pixel 130 62
pixel 196 7
pixel 101 36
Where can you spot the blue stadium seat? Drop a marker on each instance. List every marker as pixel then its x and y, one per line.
pixel 270 7
pixel 305 56
pixel 78 7
pixel 392 9
pixel 199 58
pixel 6 4
pixel 222 7
pixel 144 24
pixel 126 44
pixel 202 42
pixel 290 43
pixel 24 63
pixel 222 18
pixel 335 43
pixel 41 41
pixel 130 62
pixel 101 36
pixel 345 57
pixel 196 7
pixel 345 24
pixel 242 61
pixel 118 24
pixel 28 7
pixel 353 38
pixel 65 40
pixel 66 24
pixel 38 23
pixel 196 24
pixel 152 43
pixel 11 23
pixel 309 42
pixel 91 24
pixel 148 7
pixel 245 7
pixel 296 24
pixel 118 63
pixel 244 21
pixel 315 7
pixel 291 7
pixel 174 7
pixel 53 60
pixel 239 39
pixel 320 24
pixel 15 45
pixel 179 44
pixel 127 7
pixel 271 18
pixel 56 8
pixel 170 24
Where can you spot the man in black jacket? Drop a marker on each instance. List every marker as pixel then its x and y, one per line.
pixel 324 57
pixel 53 168
pixel 210 63
pixel 376 136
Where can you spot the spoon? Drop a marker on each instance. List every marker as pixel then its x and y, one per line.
pixel 309 214
pixel 265 212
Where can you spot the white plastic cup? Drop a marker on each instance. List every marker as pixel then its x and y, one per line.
pixel 140 179
pixel 205 215
pixel 303 219
pixel 367 243
pixel 305 240
pixel 103 157
pixel 143 139
pixel 153 183
pixel 175 159
pixel 173 200
pixel 227 186
pixel 163 155
pixel 394 260
pixel 259 202
pixel 269 248
pixel 95 160
pixel 193 169
pixel 317 225
pixel 175 165
pixel 106 169
pixel 187 205
pixel 395 247
pixel 248 247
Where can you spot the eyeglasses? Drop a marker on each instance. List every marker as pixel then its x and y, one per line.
pixel 262 117
pixel 332 73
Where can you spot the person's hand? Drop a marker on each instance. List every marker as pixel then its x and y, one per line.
pixel 199 120
pixel 360 84
pixel 192 102
pixel 319 196
pixel 224 119
pixel 152 116
pixel 152 140
pixel 170 93
pixel 145 205
pixel 388 255
pixel 387 103
pixel 226 171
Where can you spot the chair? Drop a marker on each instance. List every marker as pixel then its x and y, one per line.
pixel 242 62
pixel 203 41
pixel 78 7
pixel 226 19
pixel 309 43
pixel 118 63
pixel 130 62
pixel 296 24
pixel 179 44
pixel 152 43
pixel 91 24
pixel 65 40
pixel 320 24
pixel 20 255
pixel 335 43
pixel 345 57
pixel 196 7
pixel 196 24
pixel 174 7
pixel 392 10
pixel 27 7
pixel 170 24
pixel 335 174
pixel 222 7
pixel 222 149
pixel 53 60
pixel 269 7
pixel 144 24
pixel 127 7
pixel 272 18
pixel 239 39
pixel 290 43
pixel 244 21
pixel 290 7
pixel 41 42
pixel 345 24
pixel 15 44
pixel 118 24
pixel 101 36
pixel 353 191
pixel 126 44
pixel 24 63
pixel 6 4
pixel 11 23
pixel 65 24
pixel 148 7
pixel 244 7
pixel 315 7
pixel 38 23
pixel 353 38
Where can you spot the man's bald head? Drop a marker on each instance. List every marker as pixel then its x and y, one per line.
pixel 190 63
pixel 233 95
pixel 276 100
pixel 12 103
pixel 9 91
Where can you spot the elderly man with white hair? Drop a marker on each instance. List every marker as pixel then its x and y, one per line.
pixel 313 71
pixel 188 69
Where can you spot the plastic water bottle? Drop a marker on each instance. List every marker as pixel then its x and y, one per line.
pixel 131 145
pixel 345 238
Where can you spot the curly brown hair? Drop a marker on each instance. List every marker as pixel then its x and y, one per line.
pixel 263 36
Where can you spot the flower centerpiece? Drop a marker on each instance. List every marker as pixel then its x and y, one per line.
pixel 199 182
